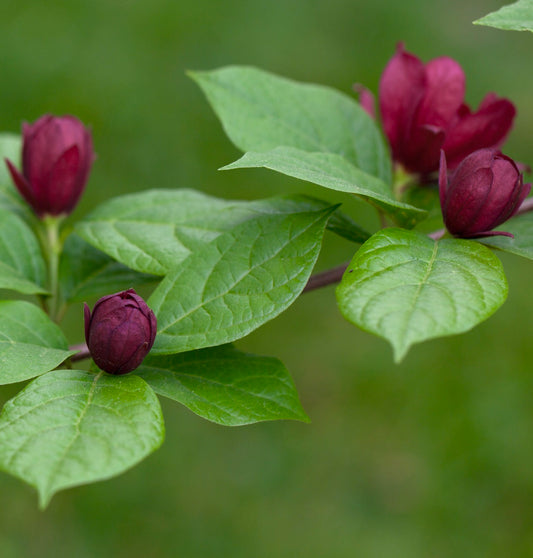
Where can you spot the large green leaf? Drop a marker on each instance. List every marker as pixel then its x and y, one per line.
pixel 407 288
pixel 30 343
pixel 85 272
pixel 261 111
pixel 138 230
pixel 225 385
pixel 153 231
pixel 71 427
pixel 331 171
pixel 237 282
pixel 514 17
pixel 22 266
pixel 522 243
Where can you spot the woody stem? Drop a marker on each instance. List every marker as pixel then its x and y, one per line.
pixel 83 352
pixel 334 275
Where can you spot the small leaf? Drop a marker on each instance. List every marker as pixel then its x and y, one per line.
pixel 514 17
pixel 30 343
pixel 344 226
pixel 334 172
pixel 72 427
pixel 407 288
pixel 10 199
pixel 239 281
pixel 225 386
pixel 522 243
pixel 22 266
pixel 153 231
pixel 261 111
pixel 85 272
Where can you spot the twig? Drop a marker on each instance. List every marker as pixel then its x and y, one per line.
pixel 82 354
pixel 325 278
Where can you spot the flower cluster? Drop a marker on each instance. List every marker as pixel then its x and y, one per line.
pixel 429 127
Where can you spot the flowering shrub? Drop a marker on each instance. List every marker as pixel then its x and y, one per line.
pixel 214 270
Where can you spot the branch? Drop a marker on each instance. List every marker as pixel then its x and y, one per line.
pixel 82 354
pixel 334 275
pixel 325 278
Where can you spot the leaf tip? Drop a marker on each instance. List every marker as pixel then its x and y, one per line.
pixel 44 498
pixel 400 352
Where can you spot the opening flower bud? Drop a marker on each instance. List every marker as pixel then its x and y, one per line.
pixel 485 190
pixel 120 331
pixel 423 111
pixel 57 154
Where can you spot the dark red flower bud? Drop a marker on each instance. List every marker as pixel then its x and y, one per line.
pixel 120 332
pixel 423 111
pixel 485 190
pixel 57 154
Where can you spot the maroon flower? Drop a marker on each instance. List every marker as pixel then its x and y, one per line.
pixel 57 155
pixel 120 332
pixel 485 190
pixel 423 111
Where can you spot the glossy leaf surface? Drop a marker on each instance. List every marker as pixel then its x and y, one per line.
pixel 407 288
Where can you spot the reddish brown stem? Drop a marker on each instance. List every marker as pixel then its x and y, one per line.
pixel 334 275
pixel 82 354
pixel 325 278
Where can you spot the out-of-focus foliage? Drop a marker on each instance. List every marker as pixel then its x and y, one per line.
pixel 429 458
pixel 514 17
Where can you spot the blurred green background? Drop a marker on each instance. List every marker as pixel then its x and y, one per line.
pixel 432 458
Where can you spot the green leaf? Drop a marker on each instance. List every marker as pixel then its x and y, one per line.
pixel 85 272
pixel 153 231
pixel 22 266
pixel 514 17
pixel 334 172
pixel 138 230
pixel 522 243
pixel 10 199
pixel 261 111
pixel 30 343
pixel 344 226
pixel 72 427
pixel 407 288
pixel 225 386
pixel 239 281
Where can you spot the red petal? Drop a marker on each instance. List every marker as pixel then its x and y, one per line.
pixel 62 189
pixel 421 152
pixel 23 186
pixel 443 179
pixel 366 99
pixel 488 127
pixel 465 200
pixel 401 89
pixel 444 92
